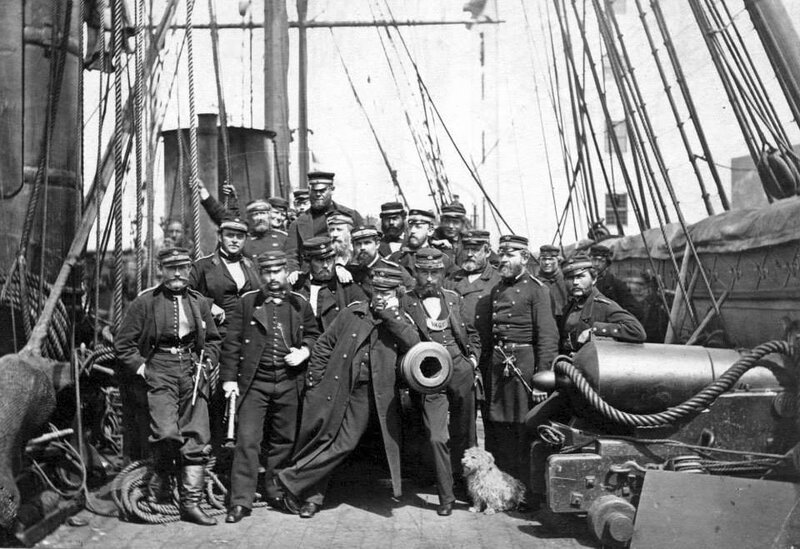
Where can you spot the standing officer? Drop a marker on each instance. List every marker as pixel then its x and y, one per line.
pixel 302 202
pixel 351 377
pixel 608 284
pixel 367 259
pixel 452 223
pixel 519 321
pixel 227 274
pixel 320 287
pixel 279 208
pixel 588 314
pixel 168 337
pixel 263 236
pixel 270 336
pixel 393 226
pixel 313 222
pixel 550 273
pixel 420 229
pixel 439 316
pixel 340 224
pixel 476 277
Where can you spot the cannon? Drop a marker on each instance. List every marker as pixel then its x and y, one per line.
pixel 664 434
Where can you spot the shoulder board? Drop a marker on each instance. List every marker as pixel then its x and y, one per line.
pixel 603 299
pixel 355 303
pixel 150 289
pixel 279 231
pixel 539 282
pixel 445 290
pixel 390 262
pixel 301 296
pixel 250 292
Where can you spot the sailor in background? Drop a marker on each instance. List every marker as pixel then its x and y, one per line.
pixel 550 273
pixel 169 338
pixel 313 222
pixel 419 226
pixel 320 286
pixel 607 283
pixel 518 320
pixel 302 202
pixel 588 315
pixel 438 315
pixel 351 378
pixel 269 339
pixel 279 208
pixel 452 223
pixel 393 227
pixel 367 259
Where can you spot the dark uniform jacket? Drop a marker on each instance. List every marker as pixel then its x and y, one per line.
pixel 385 250
pixel 334 369
pixel 210 277
pixel 462 327
pixel 308 225
pixel 150 316
pixel 558 291
pixel 247 333
pixel 332 298
pixel 271 241
pixel 406 258
pixel 606 317
pixel 615 289
pixel 362 275
pixel 474 291
pixel 519 312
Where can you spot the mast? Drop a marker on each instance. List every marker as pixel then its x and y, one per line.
pixel 780 40
pixel 276 100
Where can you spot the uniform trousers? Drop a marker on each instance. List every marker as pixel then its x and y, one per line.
pixel 269 407
pixel 174 422
pixel 461 406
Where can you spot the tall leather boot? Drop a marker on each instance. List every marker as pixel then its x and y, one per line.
pixel 192 477
pixel 160 485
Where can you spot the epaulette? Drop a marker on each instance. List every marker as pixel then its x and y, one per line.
pixel 150 289
pixel 539 282
pixel 301 296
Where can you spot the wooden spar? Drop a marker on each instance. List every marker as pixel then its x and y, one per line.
pixel 774 27
pixel 302 95
pixel 276 107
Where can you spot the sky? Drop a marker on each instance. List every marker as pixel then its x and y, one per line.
pixel 500 115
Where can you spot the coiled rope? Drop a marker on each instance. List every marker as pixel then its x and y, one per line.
pixel 694 405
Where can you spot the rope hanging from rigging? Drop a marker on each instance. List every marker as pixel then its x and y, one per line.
pixel 119 166
pixel 193 160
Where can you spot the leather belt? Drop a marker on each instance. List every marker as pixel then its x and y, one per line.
pixel 175 349
pixel 512 345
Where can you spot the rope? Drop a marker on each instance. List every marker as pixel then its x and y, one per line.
pixel 193 132
pixel 692 406
pixel 119 166
pixel 138 110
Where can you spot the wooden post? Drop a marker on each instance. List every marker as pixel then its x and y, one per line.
pixel 677 303
pixel 302 96
pixel 276 68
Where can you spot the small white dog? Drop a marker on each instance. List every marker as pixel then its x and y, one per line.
pixel 490 488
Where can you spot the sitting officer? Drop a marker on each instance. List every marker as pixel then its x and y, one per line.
pixel 166 332
pixel 589 313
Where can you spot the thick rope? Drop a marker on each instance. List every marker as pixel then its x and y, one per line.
pixel 138 116
pixel 691 407
pixel 119 166
pixel 193 132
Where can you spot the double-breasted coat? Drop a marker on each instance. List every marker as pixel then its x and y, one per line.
pixel 601 314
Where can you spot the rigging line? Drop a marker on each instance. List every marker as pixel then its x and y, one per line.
pixel 223 114
pixel 102 109
pixel 537 95
pixel 392 171
pixel 119 168
pixel 688 100
pixel 138 118
pixel 445 127
pixel 753 85
pixel 619 73
pixel 437 166
pixel 673 105
pixel 193 160
pixel 588 172
pixel 617 150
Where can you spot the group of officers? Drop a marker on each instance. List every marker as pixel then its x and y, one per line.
pixel 305 329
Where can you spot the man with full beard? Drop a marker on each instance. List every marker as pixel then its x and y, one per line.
pixel 588 313
pixel 368 260
pixel 320 286
pixel 439 316
pixel 393 227
pixel 477 276
pixel 518 319
pixel 270 337
pixel 166 333
pixel 313 222
pixel 419 226
pixel 339 226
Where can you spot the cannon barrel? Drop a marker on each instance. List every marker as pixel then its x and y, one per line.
pixel 427 367
pixel 647 378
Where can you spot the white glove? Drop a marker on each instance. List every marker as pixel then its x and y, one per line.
pixel 218 313
pixel 585 335
pixel 297 356
pixel 140 370
pixel 293 276
pixel 230 388
pixel 344 276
